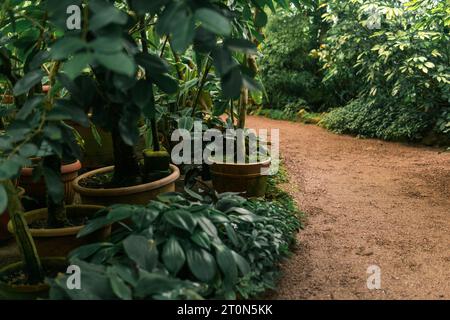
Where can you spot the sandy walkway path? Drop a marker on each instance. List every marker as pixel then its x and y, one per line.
pixel 368 202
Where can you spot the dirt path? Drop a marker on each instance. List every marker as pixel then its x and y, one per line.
pixel 368 202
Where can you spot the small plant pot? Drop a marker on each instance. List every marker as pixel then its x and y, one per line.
pixel 4 219
pixel 139 194
pixel 59 242
pixel 37 189
pixel 240 177
pixel 24 291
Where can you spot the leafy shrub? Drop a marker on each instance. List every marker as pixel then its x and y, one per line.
pixel 397 67
pixel 388 122
pixel 288 71
pixel 178 249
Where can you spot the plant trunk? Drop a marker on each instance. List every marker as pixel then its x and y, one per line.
pixel 31 262
pixel 126 166
pixel 57 216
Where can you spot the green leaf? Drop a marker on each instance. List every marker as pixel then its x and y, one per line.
pixel 3 199
pixel 173 255
pixel 119 287
pixel 142 251
pixel 186 123
pixel 207 226
pixel 108 44
pixel 165 82
pixel 242 264
pixel 181 219
pixel 94 225
pixel 201 239
pixel 28 81
pixel 152 63
pixel 28 107
pixel 241 45
pixel 66 110
pixel 108 14
pixel 260 19
pixel 65 47
pixel 202 264
pixel 150 284
pixel 232 84
pixel 28 150
pixel 118 62
pixel 55 187
pixel 183 37
pixel 88 250
pixel 8 169
pixel 213 21
pixel 77 64
pixel 227 264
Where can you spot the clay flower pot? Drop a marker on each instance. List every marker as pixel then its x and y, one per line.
pixel 139 194
pixel 58 242
pixel 25 291
pixel 240 177
pixel 37 190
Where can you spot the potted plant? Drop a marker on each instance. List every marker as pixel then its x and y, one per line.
pixel 37 130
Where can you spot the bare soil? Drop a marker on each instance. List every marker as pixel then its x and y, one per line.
pixel 367 202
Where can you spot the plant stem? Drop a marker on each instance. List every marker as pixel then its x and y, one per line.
pixel 31 262
pixel 202 84
pixel 57 216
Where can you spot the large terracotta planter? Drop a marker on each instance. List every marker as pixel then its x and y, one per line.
pixel 59 242
pixel 37 190
pixel 139 194
pixel 28 292
pixel 4 219
pixel 240 177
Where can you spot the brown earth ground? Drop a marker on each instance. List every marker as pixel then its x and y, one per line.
pixel 367 202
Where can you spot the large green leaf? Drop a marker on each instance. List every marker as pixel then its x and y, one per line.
pixel 65 47
pixel 28 81
pixel 213 21
pixel 77 64
pixel 173 255
pixel 165 82
pixel 142 251
pixel 186 123
pixel 181 219
pixel 202 264
pixel 117 62
pixel 227 264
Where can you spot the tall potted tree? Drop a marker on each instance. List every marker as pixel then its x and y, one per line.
pixel 37 128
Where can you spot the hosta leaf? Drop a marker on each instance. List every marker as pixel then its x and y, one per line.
pixel 173 255
pixel 202 264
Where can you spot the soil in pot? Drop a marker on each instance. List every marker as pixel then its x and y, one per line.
pixel 94 188
pixel 13 281
pixel 58 242
pixel 36 190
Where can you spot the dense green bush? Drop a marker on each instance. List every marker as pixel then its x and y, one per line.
pixel 396 58
pixel 400 123
pixel 176 248
pixel 288 71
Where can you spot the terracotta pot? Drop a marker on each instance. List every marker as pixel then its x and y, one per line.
pixel 60 241
pixel 28 292
pixel 240 177
pixel 139 194
pixel 4 219
pixel 37 190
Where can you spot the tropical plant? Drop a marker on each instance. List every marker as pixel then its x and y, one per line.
pixel 176 248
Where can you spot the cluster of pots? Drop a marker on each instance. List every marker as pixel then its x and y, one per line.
pixel 55 243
